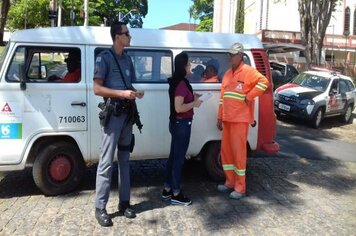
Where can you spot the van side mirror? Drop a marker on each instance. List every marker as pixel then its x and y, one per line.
pixel 43 72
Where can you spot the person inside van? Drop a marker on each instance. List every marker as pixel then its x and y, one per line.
pixel 197 74
pixel 182 102
pixel 211 71
pixel 73 67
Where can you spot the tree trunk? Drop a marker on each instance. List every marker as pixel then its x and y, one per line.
pixel 4 9
pixel 315 16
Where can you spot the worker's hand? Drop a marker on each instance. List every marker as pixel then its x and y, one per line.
pixel 128 94
pixel 219 125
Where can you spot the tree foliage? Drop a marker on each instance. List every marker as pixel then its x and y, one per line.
pixel 34 13
pixel 203 10
pixel 240 16
pixel 132 11
pixel 315 16
pixel 4 9
pixel 28 14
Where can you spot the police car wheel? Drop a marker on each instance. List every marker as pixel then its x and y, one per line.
pixel 347 116
pixel 317 118
pixel 58 168
pixel 212 160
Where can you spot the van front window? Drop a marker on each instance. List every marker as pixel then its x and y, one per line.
pixel 3 55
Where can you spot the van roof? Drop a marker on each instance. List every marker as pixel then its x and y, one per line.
pixel 147 38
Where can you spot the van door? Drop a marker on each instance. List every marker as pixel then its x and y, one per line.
pixel 43 94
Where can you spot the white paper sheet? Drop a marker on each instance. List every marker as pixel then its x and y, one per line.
pixel 205 96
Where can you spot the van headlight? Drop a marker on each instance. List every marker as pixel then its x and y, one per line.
pixel 307 102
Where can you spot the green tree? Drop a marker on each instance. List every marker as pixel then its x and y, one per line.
pixel 34 13
pixel 28 14
pixel 203 10
pixel 315 16
pixel 4 9
pixel 108 11
pixel 240 16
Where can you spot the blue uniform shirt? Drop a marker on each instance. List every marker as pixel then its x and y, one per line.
pixel 107 70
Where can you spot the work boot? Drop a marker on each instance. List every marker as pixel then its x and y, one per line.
pixel 222 188
pixel 236 195
pixel 126 210
pixel 102 217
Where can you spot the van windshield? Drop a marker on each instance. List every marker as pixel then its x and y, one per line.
pixel 3 54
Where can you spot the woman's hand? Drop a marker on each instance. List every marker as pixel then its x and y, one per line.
pixel 197 102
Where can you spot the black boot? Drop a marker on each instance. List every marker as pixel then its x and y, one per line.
pixel 102 217
pixel 126 210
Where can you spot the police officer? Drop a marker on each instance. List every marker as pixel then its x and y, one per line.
pixel 113 76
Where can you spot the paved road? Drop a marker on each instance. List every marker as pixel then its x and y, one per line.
pixel 286 196
pixel 303 190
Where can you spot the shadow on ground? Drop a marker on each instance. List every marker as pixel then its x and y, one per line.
pixel 271 182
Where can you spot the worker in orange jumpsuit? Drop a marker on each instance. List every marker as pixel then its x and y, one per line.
pixel 241 84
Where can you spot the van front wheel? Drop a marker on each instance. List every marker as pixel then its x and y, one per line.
pixel 213 161
pixel 58 168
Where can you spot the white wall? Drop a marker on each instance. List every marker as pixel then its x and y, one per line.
pixel 224 16
pixel 283 15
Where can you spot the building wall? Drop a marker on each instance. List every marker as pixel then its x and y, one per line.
pixel 283 15
pixel 271 15
pixel 224 16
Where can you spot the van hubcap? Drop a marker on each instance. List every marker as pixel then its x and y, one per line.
pixel 59 168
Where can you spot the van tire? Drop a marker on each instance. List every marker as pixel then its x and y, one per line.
pixel 213 161
pixel 58 168
pixel 347 116
pixel 317 118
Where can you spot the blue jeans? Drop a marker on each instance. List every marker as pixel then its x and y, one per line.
pixel 180 130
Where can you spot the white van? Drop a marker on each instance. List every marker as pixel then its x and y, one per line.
pixel 54 128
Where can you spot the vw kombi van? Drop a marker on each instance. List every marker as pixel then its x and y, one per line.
pixel 53 127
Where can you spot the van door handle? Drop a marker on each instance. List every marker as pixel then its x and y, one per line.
pixel 82 104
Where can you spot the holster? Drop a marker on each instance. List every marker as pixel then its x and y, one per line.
pixel 129 147
pixel 105 113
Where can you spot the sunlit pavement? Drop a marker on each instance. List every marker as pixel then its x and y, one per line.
pixel 285 196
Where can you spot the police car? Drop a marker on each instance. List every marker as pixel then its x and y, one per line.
pixel 314 95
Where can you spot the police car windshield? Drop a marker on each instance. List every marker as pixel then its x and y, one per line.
pixel 3 54
pixel 312 81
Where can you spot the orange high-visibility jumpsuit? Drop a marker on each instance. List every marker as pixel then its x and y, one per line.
pixel 245 83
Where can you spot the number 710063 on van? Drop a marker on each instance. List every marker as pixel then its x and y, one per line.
pixel 49 120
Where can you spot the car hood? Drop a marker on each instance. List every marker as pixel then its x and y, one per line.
pixel 296 90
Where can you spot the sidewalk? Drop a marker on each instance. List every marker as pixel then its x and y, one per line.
pixel 286 196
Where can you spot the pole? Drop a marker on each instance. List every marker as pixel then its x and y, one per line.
pixel 59 20
pixel 25 14
pixel 86 16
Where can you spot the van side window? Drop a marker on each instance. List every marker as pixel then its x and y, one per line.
pixel 151 65
pixel 45 65
pixel 201 60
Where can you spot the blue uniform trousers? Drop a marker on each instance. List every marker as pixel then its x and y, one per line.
pixel 116 132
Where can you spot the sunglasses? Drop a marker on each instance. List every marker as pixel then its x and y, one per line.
pixel 127 33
